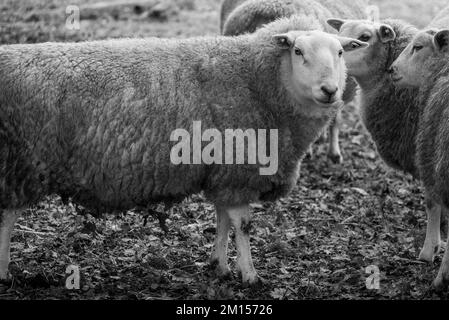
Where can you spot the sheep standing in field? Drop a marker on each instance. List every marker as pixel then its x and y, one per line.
pixel 424 64
pixel 391 114
pixel 97 121
pixel 246 16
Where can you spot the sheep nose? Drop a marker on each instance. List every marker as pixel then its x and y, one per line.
pixel 329 90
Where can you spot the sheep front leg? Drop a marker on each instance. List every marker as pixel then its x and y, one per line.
pixel 219 257
pixel 240 219
pixel 433 238
pixel 442 280
pixel 334 152
pixel 7 220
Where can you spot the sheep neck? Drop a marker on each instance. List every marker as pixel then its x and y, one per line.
pixel 392 118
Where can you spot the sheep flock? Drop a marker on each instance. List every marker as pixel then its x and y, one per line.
pixel 140 125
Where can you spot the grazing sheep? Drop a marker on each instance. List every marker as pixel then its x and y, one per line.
pixel 391 114
pixel 96 121
pixel 427 56
pixel 246 16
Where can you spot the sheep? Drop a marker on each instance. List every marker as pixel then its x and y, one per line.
pixel 391 114
pixel 410 69
pixel 98 121
pixel 424 65
pixel 242 16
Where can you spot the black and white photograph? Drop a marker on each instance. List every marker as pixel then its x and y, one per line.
pixel 258 151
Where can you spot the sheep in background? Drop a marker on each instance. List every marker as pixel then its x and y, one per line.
pixel 246 16
pixel 226 8
pixel 424 65
pixel 391 114
pixel 94 120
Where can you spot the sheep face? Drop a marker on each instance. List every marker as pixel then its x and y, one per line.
pixel 316 72
pixel 363 63
pixel 414 65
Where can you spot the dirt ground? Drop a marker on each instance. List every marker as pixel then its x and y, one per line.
pixel 315 244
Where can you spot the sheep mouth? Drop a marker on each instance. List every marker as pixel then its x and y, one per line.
pixel 326 103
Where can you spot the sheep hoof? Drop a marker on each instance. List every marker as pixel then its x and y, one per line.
pixel 254 283
pixel 222 272
pixel 5 279
pixel 428 254
pixel 440 284
pixel 250 280
pixel 424 257
pixel 336 158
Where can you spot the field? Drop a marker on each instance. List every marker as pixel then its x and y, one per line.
pixel 315 244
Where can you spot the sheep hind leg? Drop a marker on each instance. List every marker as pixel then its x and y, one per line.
pixel 219 258
pixel 7 220
pixel 432 243
pixel 334 152
pixel 240 219
pixel 442 280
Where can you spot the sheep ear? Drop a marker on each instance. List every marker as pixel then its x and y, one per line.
pixel 283 41
pixel 349 44
pixel 386 33
pixel 441 40
pixel 336 23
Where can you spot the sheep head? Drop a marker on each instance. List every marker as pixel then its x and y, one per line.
pixel 420 58
pixel 365 63
pixel 315 71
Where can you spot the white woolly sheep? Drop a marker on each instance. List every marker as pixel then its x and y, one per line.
pixel 244 16
pixel 392 114
pixel 424 65
pixel 95 120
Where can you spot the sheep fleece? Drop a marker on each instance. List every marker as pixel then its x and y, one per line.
pixel 391 115
pixel 93 120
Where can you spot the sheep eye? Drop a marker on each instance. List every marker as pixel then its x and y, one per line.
pixel 340 53
pixel 364 37
pixel 298 52
pixel 417 48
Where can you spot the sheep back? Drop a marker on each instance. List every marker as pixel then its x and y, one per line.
pixel 93 120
